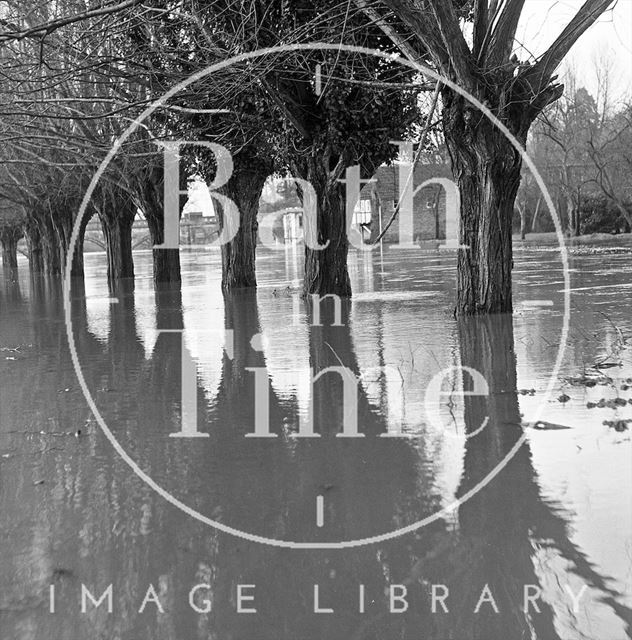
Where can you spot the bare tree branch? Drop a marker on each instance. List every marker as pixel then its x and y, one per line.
pixel 541 73
pixel 424 28
pixel 502 39
pixel 48 27
pixel 454 41
pixel 396 39
pixel 481 23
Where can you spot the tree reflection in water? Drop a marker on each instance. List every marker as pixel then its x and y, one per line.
pixel 94 522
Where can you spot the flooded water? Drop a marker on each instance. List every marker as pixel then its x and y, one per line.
pixel 502 493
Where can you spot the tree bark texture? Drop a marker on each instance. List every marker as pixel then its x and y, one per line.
pixel 77 270
pixel 35 248
pixel 116 215
pixel 326 269
pixel 9 236
pixel 166 261
pixel 486 168
pixel 244 189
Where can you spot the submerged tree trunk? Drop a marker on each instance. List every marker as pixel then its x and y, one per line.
pixel 77 270
pixel 62 223
pixel 166 261
pixel 326 269
pixel 486 168
pixel 244 189
pixel 116 215
pixel 34 243
pixel 51 251
pixel 9 236
pixel 118 246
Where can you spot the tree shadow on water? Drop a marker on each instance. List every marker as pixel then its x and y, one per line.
pixel 506 523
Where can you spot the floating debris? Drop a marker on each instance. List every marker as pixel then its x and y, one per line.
pixel 61 573
pixel 607 365
pixel 589 380
pixel 613 403
pixel 617 425
pixel 563 398
pixel 542 425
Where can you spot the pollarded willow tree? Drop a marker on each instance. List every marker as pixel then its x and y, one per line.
pixel 366 104
pixel 339 109
pixel 278 117
pixel 225 108
pixel 485 164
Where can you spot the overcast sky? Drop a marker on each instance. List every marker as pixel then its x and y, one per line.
pixel 543 20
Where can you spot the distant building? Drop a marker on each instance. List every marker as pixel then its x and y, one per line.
pixel 375 207
pixel 379 199
pixel 197 228
pixel 279 196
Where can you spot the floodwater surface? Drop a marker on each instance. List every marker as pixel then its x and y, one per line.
pixel 485 494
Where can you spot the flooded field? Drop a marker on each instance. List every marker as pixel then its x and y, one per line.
pixel 455 508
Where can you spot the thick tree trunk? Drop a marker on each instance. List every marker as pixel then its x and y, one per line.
pixel 77 270
pixel 117 219
pixel 238 256
pixel 166 261
pixel 52 253
pixel 62 225
pixel 486 168
pixel 48 238
pixel 118 247
pixel 484 268
pixel 34 243
pixel 9 236
pixel 326 269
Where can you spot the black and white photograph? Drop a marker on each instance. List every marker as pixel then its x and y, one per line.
pixel 316 320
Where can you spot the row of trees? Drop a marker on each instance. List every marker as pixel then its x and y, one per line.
pixel 77 73
pixel 79 98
